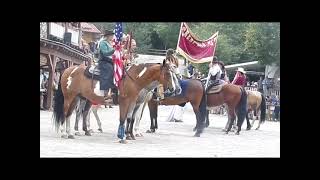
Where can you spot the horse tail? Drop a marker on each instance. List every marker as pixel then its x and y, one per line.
pixel 242 106
pixel 58 112
pixel 203 105
pixel 263 109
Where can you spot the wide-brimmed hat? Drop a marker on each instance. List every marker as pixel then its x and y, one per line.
pixel 108 32
pixel 240 69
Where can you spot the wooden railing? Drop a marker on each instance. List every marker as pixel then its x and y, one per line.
pixel 157 52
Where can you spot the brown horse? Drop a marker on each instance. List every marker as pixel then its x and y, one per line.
pixel 256 102
pixel 73 84
pixel 135 79
pixel 235 97
pixel 192 91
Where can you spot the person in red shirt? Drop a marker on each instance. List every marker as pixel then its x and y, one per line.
pixel 240 77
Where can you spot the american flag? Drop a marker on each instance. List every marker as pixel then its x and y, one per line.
pixel 117 56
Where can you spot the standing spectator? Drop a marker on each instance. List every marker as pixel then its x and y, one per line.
pixel 264 86
pixel 42 89
pixel 276 111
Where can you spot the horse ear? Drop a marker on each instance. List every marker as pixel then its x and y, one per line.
pixel 164 62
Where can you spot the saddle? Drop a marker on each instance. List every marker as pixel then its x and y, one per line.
pixel 92 72
pixel 215 87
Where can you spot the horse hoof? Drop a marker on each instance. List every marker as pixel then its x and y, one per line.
pixel 137 135
pixel 77 134
pixel 128 138
pixel 70 137
pixel 248 128
pixel 122 141
pixel 196 135
pixel 257 128
pixel 87 133
pixel 133 138
pixel 100 130
pixel 148 131
pixel 237 133
pixel 64 136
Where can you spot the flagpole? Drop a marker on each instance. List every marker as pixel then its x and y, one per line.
pixel 216 44
pixel 179 35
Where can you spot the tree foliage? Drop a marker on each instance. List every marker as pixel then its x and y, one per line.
pixel 237 42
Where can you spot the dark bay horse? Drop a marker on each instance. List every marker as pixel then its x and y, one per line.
pixel 135 79
pixel 193 92
pixel 73 84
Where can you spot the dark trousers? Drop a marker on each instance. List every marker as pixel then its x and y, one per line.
pixel 106 74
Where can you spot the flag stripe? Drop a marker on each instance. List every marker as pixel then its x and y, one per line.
pixel 117 56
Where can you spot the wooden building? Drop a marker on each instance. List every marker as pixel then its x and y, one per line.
pixel 60 43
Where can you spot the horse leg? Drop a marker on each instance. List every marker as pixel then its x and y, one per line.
pixel 259 124
pixel 88 121
pixel 69 106
pixel 200 119
pixel 155 124
pixel 79 108
pixel 207 118
pixel 86 118
pixel 131 129
pixel 95 113
pixel 137 126
pixel 248 122
pixel 229 120
pixel 253 122
pixel 78 115
pixel 63 131
pixel 127 129
pixel 232 117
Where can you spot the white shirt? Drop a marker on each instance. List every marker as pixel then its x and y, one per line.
pixel 215 70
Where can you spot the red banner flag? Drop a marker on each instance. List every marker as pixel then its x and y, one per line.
pixel 194 49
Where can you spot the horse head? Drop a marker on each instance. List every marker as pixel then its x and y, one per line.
pixel 168 77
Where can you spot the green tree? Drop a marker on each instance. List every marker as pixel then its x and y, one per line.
pixel 263 42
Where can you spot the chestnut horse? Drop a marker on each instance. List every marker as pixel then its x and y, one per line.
pixel 256 103
pixel 137 78
pixel 235 98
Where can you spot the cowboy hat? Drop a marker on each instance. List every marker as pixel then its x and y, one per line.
pixel 108 32
pixel 240 69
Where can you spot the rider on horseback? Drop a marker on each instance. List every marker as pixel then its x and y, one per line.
pixel 106 64
pixel 216 75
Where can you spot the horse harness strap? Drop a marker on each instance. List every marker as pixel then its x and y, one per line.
pixel 125 70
